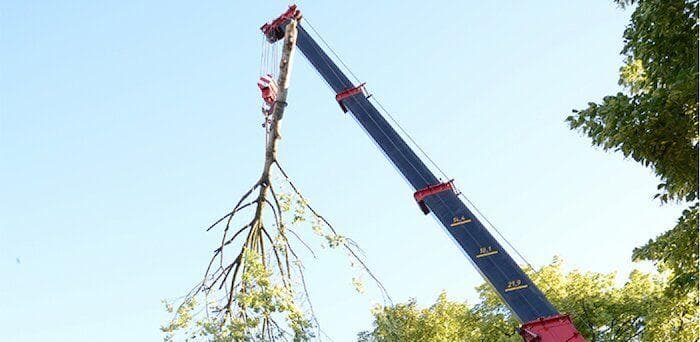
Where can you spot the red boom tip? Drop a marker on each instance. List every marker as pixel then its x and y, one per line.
pixel 273 30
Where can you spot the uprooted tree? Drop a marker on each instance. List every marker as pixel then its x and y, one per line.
pixel 254 287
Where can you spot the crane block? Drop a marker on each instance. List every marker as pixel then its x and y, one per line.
pixel 421 194
pixel 268 89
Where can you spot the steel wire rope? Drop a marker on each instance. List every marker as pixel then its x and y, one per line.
pixel 378 102
pixel 496 265
pixel 262 54
pixel 459 192
pixel 449 209
pixel 331 49
pixel 326 61
pixel 415 143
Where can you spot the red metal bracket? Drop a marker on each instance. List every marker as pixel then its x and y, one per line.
pixel 273 30
pixel 556 328
pixel 347 93
pixel 421 194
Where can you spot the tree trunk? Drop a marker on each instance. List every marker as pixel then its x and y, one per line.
pixel 290 39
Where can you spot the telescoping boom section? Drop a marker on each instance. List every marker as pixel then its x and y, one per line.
pixel 541 321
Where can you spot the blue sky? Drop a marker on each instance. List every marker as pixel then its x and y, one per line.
pixel 126 127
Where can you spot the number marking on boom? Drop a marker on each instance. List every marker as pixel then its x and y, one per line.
pixel 486 251
pixel 515 285
pixel 457 221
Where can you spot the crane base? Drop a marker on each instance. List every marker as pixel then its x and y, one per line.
pixel 557 328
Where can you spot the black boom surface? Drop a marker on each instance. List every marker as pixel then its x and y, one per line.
pixel 494 263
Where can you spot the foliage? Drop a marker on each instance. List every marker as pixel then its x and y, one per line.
pixel 602 311
pixel 444 321
pixel 676 251
pixel 262 297
pixel 656 122
pixel 260 293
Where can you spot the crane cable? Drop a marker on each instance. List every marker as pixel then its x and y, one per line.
pixel 338 77
pixel 422 151
pixel 403 155
pixel 269 57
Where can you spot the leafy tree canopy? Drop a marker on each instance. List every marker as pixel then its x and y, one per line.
pixel 655 122
pixel 602 311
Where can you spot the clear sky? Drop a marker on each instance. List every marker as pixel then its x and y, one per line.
pixel 125 127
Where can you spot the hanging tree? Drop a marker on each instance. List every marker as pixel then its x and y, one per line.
pixel 258 291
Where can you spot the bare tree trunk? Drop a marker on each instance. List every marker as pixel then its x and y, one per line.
pixel 290 40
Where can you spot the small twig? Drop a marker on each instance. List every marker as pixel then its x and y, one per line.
pixel 229 241
pixel 236 207
pixel 279 262
pixel 330 226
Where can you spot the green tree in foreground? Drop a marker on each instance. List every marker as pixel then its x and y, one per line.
pixel 655 122
pixel 602 311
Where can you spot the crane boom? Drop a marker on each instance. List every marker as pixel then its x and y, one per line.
pixel 541 320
